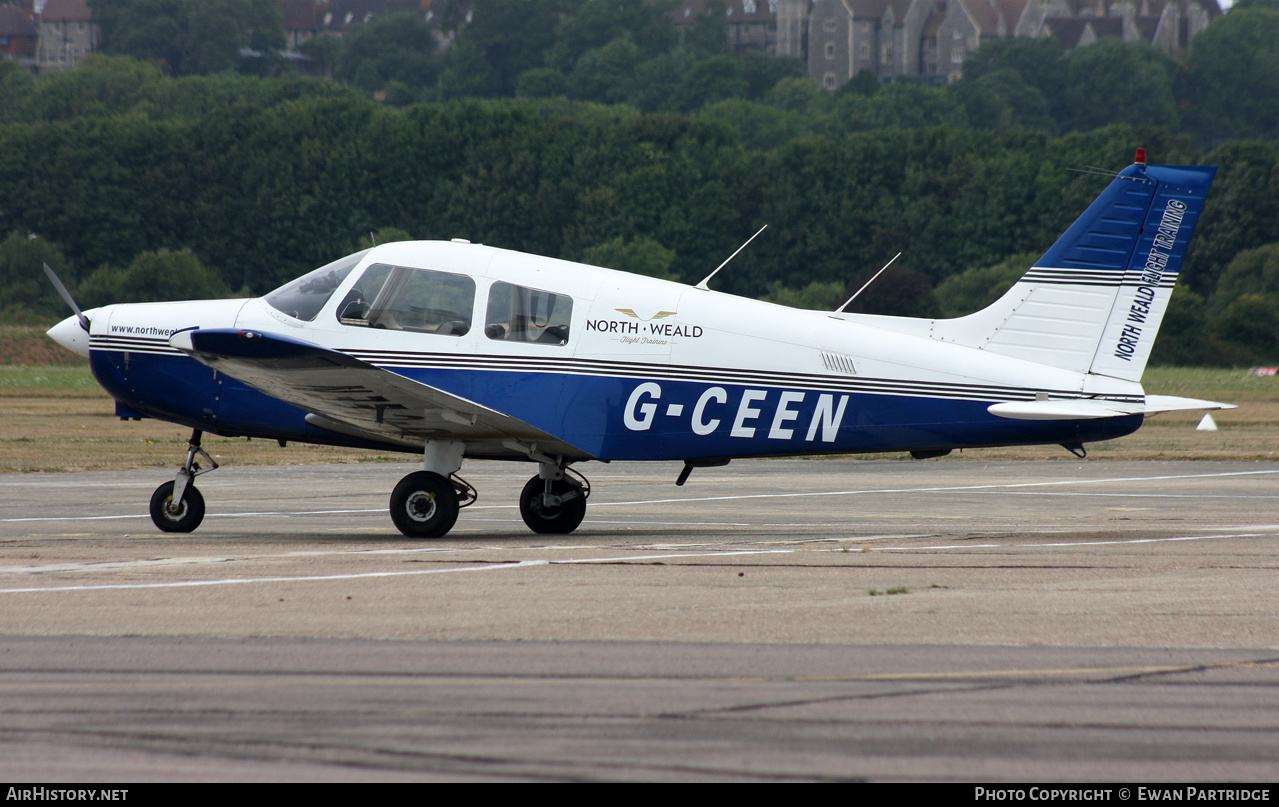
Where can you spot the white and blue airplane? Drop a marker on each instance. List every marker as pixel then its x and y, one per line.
pixel 454 350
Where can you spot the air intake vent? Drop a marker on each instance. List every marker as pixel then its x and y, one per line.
pixel 839 363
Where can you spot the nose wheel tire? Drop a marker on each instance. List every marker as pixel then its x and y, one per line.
pixel 424 505
pixel 183 516
pixel 558 520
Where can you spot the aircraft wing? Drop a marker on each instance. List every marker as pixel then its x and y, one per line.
pixel 1089 409
pixel 352 397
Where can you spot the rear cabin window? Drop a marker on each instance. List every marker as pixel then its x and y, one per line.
pixel 519 314
pixel 400 298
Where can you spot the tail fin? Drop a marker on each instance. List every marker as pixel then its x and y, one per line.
pixel 1094 301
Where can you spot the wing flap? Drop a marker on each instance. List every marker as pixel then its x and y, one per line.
pixel 349 396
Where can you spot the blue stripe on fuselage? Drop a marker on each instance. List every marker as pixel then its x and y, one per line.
pixel 612 417
pixel 638 419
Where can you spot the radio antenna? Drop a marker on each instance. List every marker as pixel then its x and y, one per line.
pixel 706 279
pixel 868 282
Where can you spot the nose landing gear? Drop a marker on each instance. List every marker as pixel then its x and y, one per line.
pixel 178 506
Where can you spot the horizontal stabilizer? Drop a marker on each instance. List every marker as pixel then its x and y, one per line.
pixel 1057 410
pixel 1093 409
pixel 1171 403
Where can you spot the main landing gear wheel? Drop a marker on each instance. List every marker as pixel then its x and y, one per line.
pixel 424 505
pixel 183 516
pixel 558 519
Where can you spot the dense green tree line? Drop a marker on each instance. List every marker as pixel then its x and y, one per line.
pixel 125 176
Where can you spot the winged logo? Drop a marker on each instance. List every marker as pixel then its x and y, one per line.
pixel 659 315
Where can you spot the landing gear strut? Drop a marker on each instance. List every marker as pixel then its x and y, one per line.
pixel 178 506
pixel 554 501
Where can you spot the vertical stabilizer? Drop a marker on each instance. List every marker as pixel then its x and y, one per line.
pixel 1094 301
pixel 1146 287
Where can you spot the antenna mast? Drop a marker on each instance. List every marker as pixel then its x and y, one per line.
pixel 868 282
pixel 703 285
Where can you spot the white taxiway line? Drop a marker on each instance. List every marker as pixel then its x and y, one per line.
pixel 521 564
pixel 525 564
pixel 948 488
pixel 277 513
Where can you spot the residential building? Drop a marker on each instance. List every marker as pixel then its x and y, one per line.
pixel 18 34
pixel 66 34
pixel 929 39
pixel 752 24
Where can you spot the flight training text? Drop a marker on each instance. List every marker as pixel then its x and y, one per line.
pixel 1152 274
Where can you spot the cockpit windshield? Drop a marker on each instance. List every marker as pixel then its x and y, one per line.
pixel 303 298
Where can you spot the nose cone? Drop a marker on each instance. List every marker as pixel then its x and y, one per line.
pixel 70 335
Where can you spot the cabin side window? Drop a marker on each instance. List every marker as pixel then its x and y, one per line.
pixel 400 298
pixel 519 314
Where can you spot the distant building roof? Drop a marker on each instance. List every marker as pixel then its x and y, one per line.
pixel 933 23
pixel 67 11
pixel 298 15
pixel 1068 31
pixel 339 15
pixel 866 9
pixel 1108 27
pixel 1012 11
pixel 736 11
pixel 984 13
pixel 900 9
pixel 15 22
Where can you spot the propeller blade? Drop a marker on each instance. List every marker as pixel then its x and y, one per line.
pixel 66 297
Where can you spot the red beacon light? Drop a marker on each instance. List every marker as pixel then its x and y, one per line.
pixel 1140 159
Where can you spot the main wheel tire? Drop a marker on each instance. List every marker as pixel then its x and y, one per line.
pixel 559 520
pixel 183 518
pixel 424 505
